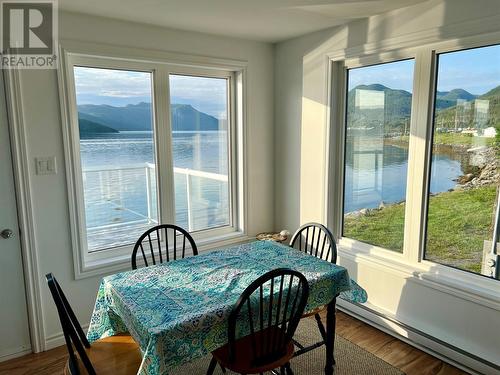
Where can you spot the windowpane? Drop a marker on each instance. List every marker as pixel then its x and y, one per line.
pixel 464 173
pixel 376 153
pixel 117 155
pixel 199 115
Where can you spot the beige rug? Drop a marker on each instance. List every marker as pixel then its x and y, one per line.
pixel 350 358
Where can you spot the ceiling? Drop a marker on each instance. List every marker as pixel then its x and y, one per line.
pixel 262 20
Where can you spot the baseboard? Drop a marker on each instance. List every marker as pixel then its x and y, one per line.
pixel 57 339
pixel 19 352
pixel 427 343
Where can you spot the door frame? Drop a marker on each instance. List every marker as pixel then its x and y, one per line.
pixel 22 185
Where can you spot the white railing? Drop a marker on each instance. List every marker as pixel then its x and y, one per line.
pixel 110 190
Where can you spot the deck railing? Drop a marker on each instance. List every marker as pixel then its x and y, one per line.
pixel 121 189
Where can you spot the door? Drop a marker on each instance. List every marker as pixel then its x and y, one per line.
pixel 14 328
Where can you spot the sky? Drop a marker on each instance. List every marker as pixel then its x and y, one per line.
pixel 475 70
pixel 120 87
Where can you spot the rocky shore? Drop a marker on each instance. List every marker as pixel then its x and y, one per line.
pixel 486 172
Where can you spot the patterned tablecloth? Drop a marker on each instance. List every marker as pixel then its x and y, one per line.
pixel 178 311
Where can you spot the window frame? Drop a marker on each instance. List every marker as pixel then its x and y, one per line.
pixel 160 65
pixel 411 262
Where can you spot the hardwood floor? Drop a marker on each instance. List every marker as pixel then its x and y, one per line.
pixel 399 354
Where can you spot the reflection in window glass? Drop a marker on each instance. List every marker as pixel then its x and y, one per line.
pixel 117 155
pixel 199 116
pixel 376 153
pixel 462 201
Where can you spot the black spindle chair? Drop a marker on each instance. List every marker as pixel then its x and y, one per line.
pixel 109 356
pixel 154 245
pixel 316 240
pixel 270 309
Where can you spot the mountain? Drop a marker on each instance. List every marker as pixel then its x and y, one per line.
pixel 87 127
pixel 465 114
pixel 185 117
pixel 137 117
pixel 446 99
pixel 393 115
pixel 129 117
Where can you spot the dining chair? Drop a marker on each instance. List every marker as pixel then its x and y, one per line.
pixel 317 240
pixel 262 323
pixel 114 355
pixel 154 244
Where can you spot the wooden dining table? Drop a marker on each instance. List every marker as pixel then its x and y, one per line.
pixel 177 311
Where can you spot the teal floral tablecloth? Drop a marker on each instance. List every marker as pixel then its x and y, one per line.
pixel 177 311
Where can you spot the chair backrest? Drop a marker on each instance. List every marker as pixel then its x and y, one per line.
pixel 317 240
pixel 154 245
pixel 73 333
pixel 267 313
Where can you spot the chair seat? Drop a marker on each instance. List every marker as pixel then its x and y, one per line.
pixel 114 355
pixel 313 312
pixel 244 348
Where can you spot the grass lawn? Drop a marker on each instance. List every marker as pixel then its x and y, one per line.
pixel 458 223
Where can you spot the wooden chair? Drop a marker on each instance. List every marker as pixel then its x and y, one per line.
pixel 150 245
pixel 115 355
pixel 316 240
pixel 269 310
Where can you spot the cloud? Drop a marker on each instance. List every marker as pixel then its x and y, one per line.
pixel 112 83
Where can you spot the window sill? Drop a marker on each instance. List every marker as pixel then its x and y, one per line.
pixel 121 262
pixel 461 284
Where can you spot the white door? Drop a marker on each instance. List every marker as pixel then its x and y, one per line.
pixel 14 329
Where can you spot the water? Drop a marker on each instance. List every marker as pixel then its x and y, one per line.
pixel 379 175
pixel 119 171
pixel 118 195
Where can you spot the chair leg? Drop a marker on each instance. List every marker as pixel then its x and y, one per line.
pixel 321 327
pixel 288 369
pixel 223 368
pixel 211 367
pixel 282 370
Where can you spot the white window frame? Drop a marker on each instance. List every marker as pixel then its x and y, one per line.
pixel 160 65
pixel 411 262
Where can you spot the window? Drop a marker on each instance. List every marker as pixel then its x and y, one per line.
pixel 379 101
pixel 421 143
pixel 200 138
pixel 150 142
pixel 464 174
pixel 117 157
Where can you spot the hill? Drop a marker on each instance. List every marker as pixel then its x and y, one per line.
pixel 138 117
pixel 446 99
pixel 87 128
pixel 393 115
pixel 465 115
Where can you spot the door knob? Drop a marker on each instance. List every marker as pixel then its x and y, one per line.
pixel 7 233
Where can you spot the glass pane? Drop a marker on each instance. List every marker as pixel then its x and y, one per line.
pixel 199 114
pixel 117 155
pixel 376 153
pixel 464 173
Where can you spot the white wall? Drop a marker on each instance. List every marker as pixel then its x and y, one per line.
pixel 301 132
pixel 44 138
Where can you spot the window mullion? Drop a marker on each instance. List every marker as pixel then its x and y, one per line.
pixel 336 149
pixel 164 157
pixel 418 159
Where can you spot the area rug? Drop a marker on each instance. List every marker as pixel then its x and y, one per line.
pixel 350 358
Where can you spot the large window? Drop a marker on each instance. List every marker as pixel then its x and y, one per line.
pixel 464 174
pixel 422 181
pixel 150 143
pixel 200 139
pixel 376 153
pixel 117 157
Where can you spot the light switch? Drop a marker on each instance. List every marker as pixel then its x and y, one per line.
pixel 46 165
